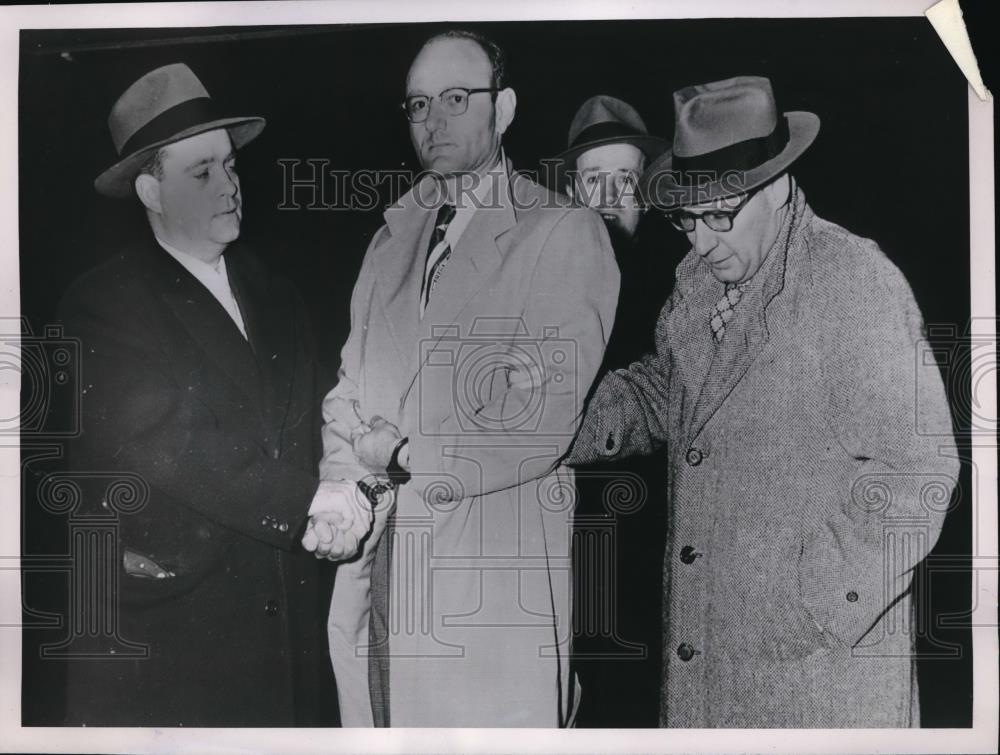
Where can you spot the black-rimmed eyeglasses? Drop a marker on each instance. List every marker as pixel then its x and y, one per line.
pixel 455 101
pixel 716 220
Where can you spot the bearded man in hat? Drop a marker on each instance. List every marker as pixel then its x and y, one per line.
pixel 617 650
pixel 608 148
pixel 805 478
pixel 201 381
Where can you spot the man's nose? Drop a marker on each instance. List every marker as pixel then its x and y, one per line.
pixel 436 116
pixel 612 190
pixel 702 238
pixel 229 185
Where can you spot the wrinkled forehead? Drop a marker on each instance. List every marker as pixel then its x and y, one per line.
pixel 445 63
pixel 610 158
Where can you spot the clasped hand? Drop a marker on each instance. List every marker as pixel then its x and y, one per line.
pixel 341 514
pixel 339 518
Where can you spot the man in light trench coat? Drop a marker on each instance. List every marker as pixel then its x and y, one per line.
pixel 810 447
pixel 478 321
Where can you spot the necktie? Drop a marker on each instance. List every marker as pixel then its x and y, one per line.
pixel 722 312
pixel 438 252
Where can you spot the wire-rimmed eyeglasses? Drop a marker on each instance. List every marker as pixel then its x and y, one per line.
pixel 454 100
pixel 716 220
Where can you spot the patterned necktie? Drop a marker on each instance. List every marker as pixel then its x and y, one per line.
pixel 722 312
pixel 438 252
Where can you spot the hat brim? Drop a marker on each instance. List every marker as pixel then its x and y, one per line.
pixel 652 147
pixel 659 187
pixel 117 181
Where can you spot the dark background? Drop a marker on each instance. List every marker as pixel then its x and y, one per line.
pixel 890 163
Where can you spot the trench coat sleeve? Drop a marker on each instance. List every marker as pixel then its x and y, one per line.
pixel 627 415
pixel 874 366
pixel 569 314
pixel 339 461
pixel 136 416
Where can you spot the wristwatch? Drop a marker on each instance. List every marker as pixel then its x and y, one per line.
pixel 373 491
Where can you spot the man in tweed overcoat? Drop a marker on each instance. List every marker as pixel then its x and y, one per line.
pixel 806 479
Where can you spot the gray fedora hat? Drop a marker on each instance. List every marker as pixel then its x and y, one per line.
pixel 164 106
pixel 607 120
pixel 729 138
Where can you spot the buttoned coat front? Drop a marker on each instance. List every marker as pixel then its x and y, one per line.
pixel 488 386
pixel 223 432
pixel 811 462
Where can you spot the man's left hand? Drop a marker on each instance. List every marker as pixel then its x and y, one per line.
pixel 374 448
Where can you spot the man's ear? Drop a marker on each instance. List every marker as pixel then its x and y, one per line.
pixel 506 105
pixel 147 188
pixel 778 190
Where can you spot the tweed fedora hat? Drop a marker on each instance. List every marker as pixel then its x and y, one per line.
pixel 163 107
pixel 607 120
pixel 728 139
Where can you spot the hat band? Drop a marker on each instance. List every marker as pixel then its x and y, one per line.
pixel 741 156
pixel 602 131
pixel 171 121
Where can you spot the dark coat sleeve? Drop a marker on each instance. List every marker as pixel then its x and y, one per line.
pixel 137 416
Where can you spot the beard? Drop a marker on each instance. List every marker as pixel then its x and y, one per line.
pixel 621 239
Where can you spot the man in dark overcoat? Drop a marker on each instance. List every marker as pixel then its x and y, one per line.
pixel 200 384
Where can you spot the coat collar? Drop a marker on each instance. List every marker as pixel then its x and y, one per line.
pixel 400 260
pixel 210 326
pixel 748 332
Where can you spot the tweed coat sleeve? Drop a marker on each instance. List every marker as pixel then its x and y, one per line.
pixel 874 367
pixel 571 304
pixel 136 416
pixel 626 416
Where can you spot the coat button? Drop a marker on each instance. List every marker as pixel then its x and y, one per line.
pixel 276 453
pixel 265 522
pixel 271 607
pixel 686 652
pixel 283 527
pixel 689 554
pixel 852 597
pixel 694 456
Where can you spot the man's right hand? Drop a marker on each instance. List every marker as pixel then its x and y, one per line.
pixel 343 418
pixel 340 516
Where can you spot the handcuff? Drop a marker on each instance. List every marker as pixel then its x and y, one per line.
pixel 395 476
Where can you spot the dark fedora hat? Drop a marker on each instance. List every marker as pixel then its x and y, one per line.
pixel 728 139
pixel 607 120
pixel 163 107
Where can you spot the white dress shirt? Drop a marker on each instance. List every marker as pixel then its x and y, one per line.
pixel 212 277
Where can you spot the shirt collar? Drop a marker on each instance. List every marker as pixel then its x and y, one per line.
pixel 191 263
pixel 468 202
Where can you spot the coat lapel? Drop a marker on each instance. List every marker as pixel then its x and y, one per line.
pixel 205 320
pixel 478 254
pixel 730 362
pixel 747 333
pixel 400 267
pixel 270 324
pixel 399 271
